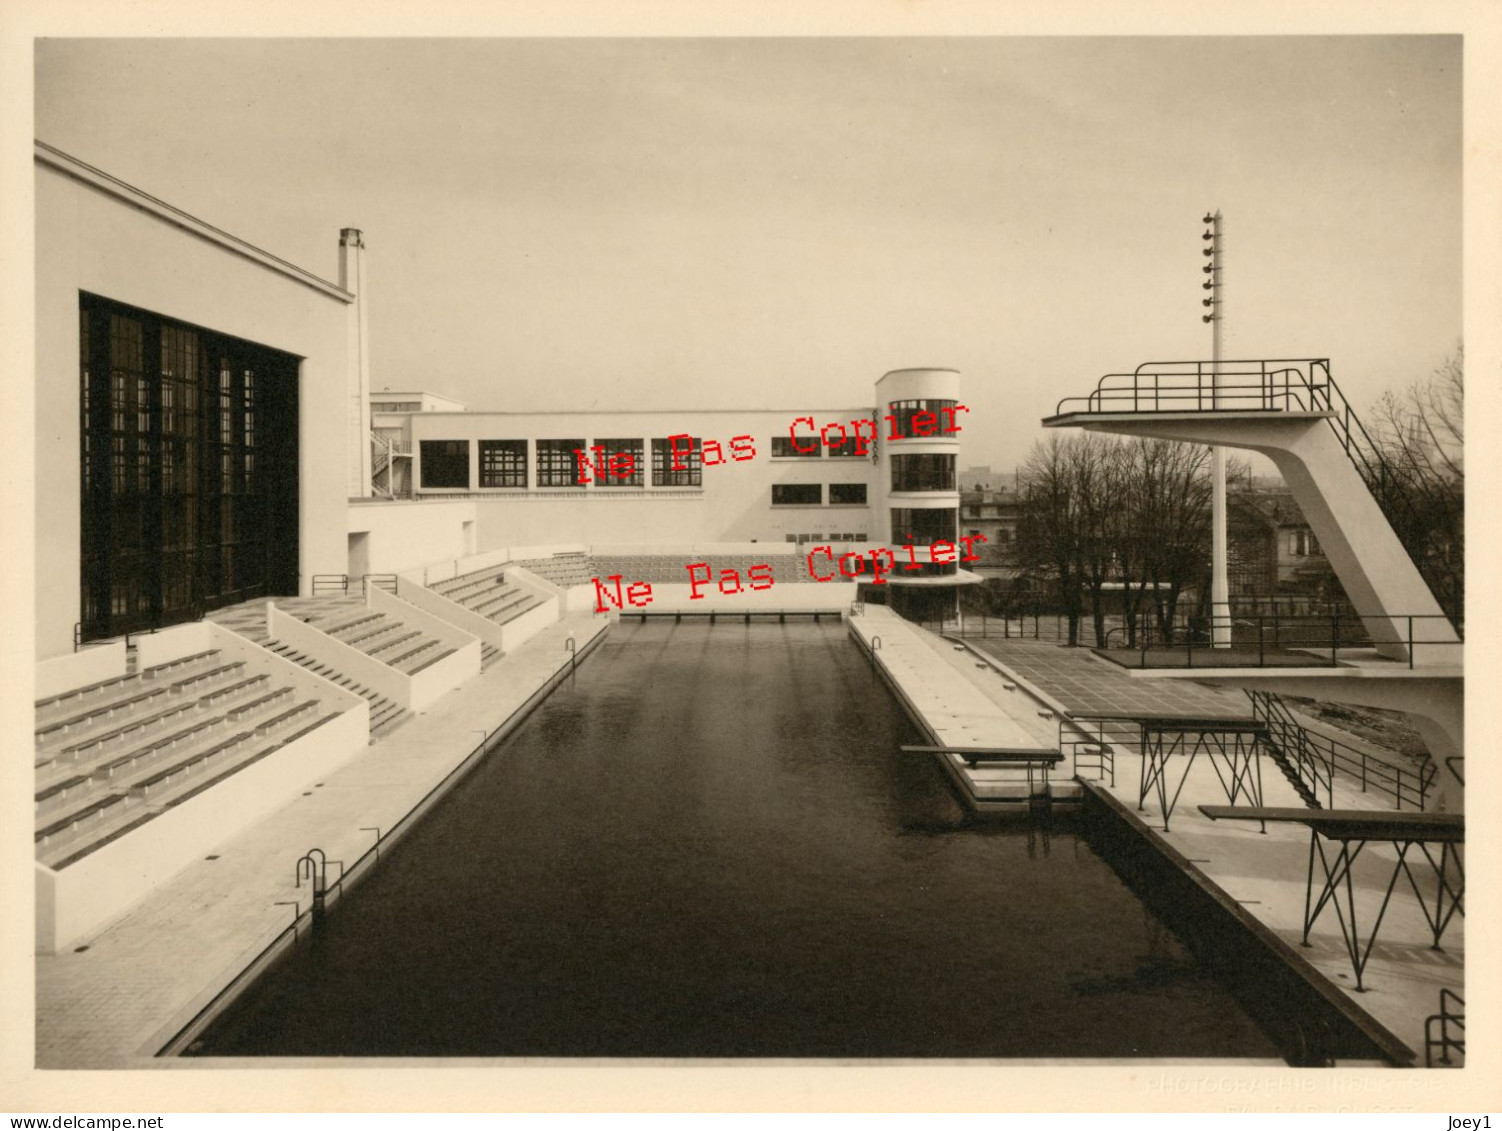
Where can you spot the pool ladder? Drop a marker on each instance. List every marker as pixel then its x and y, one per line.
pixel 314 864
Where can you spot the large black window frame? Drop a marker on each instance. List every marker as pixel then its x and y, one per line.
pixel 782 447
pixel 847 494
pixel 690 470
pixel 600 454
pixel 188 451
pixel 503 463
pixel 922 527
pixel 797 494
pixel 927 472
pixel 557 465
pixel 445 464
pixel 903 412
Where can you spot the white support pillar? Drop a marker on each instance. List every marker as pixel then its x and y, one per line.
pixel 352 279
pixel 1220 586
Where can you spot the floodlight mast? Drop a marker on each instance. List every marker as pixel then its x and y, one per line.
pixel 1220 588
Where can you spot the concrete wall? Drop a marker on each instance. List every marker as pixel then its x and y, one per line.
pixel 93 239
pixel 406 535
pixel 79 669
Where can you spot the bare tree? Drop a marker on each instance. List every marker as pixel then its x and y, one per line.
pixel 1100 512
pixel 1048 526
pixel 1420 435
pixel 1173 513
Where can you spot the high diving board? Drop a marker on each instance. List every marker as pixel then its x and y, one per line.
pixel 1359 827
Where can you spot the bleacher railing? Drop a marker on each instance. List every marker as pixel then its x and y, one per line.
pixel 330 583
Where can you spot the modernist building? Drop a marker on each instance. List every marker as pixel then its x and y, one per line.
pixel 209 436
pixel 882 473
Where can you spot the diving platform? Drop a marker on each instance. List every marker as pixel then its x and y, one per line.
pixel 1338 836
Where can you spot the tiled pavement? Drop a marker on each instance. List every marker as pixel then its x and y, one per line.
pixel 127 990
pixel 1083 683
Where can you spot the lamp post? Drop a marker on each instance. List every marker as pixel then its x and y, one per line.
pixel 1220 587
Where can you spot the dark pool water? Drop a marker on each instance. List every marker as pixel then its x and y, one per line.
pixel 708 844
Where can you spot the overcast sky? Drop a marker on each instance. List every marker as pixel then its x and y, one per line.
pixel 766 223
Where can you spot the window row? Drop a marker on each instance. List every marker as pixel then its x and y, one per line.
pixel 812 494
pixel 572 462
pixel 812 447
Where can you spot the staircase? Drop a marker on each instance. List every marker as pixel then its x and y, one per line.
pixel 385 715
pixel 1292 751
pixel 350 620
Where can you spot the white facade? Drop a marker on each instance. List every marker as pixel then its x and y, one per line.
pixel 98 236
pixel 767 475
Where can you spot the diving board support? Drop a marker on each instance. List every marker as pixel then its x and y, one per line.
pixel 1353 830
pixel 1231 745
pixel 1032 759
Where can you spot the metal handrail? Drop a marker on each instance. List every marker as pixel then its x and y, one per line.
pixel 1259 385
pixel 386 581
pixel 1276 633
pixel 1445 1018
pixel 328 582
pixel 1312 767
pixel 1075 736
pixel 1321 757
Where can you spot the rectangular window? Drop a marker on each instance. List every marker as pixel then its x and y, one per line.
pixel 600 457
pixel 445 463
pixel 690 470
pixel 923 473
pixel 557 466
pixel 923 527
pixel 902 413
pixel 846 448
pixel 797 494
pixel 847 493
pixel 503 463
pixel 173 416
pixel 782 447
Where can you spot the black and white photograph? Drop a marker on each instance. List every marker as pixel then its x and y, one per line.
pixel 790 553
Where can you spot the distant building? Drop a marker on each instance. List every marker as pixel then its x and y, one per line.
pixel 993 514
pixel 1272 552
pixel 981 478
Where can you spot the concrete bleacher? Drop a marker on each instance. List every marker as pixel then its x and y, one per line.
pixel 349 620
pixel 113 755
pixel 787 569
pixel 487 593
pixel 564 570
pixel 572 569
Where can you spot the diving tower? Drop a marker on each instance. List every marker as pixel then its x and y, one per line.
pixel 1292 412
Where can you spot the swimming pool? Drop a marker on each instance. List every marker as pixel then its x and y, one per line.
pixel 707 844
